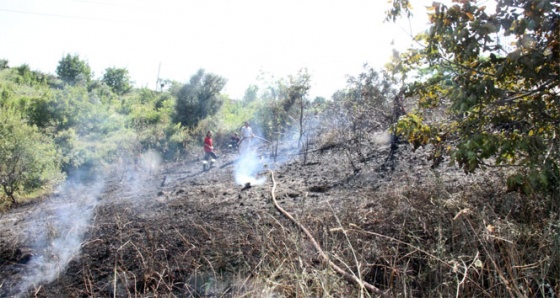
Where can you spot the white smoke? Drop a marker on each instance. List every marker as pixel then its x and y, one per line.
pixel 135 175
pixel 381 138
pixel 150 161
pixel 57 230
pixel 253 161
pixel 248 167
pixel 59 226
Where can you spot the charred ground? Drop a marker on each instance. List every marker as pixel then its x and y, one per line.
pixel 179 231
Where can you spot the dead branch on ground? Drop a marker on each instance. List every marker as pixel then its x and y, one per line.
pixel 352 278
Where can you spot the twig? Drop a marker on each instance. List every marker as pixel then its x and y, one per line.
pixel 550 149
pixel 512 289
pixel 402 242
pixel 416 248
pixel 349 243
pixel 465 274
pixel 352 278
pixel 115 279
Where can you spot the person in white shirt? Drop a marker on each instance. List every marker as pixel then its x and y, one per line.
pixel 246 138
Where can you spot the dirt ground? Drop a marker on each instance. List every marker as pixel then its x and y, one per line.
pixel 175 230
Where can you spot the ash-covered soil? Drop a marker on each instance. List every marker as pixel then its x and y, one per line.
pixel 174 230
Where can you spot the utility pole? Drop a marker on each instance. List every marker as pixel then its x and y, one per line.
pixel 157 81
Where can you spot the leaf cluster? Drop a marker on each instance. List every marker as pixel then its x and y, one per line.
pixel 28 159
pixel 72 70
pixel 496 76
pixel 199 98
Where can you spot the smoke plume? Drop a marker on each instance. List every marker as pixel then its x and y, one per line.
pixel 57 230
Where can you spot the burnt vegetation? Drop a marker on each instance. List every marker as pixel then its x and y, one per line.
pixel 410 230
pixel 439 186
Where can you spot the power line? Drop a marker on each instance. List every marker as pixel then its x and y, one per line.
pixel 110 4
pixel 60 15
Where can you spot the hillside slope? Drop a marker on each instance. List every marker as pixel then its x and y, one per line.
pixel 175 230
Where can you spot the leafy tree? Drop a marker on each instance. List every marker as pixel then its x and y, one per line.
pixel 363 108
pixel 366 103
pixel 234 112
pixel 199 98
pixel 295 92
pixel 60 110
pixel 71 70
pixel 118 79
pixel 28 160
pixel 251 93
pixel 3 64
pixel 269 116
pixel 501 99
pixel 284 107
pixel 319 101
pixel 367 100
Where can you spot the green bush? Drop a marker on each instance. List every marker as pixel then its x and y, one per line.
pixel 28 160
pixel 73 70
pixel 3 64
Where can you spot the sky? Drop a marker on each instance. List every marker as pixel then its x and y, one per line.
pixel 236 39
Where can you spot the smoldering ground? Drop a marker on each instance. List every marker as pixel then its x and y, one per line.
pixel 55 230
pixel 51 234
pixel 260 155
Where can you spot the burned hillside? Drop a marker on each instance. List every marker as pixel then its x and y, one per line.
pixel 175 230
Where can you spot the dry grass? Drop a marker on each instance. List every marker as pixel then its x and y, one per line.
pixel 432 241
pixel 433 234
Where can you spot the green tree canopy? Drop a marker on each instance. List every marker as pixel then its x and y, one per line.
pixel 251 93
pixel 25 76
pixel 199 98
pixel 319 101
pixel 496 74
pixel 367 100
pixel 118 79
pixel 4 64
pixel 71 70
pixel 284 105
pixel 28 159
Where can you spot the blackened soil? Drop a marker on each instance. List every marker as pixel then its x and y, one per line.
pixel 160 231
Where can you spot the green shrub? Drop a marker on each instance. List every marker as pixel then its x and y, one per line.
pixel 28 160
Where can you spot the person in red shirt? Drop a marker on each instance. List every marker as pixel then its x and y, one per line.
pixel 208 148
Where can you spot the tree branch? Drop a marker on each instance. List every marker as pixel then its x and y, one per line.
pixel 346 275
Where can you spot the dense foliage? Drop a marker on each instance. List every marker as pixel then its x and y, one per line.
pixel 50 127
pixel 71 69
pixel 118 79
pixel 486 86
pixel 28 159
pixel 86 124
pixel 285 107
pixel 488 89
pixel 199 98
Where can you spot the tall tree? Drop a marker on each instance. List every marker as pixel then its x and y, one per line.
pixel 284 101
pixel 367 100
pixel 118 79
pixel 3 64
pixel 296 91
pixel 199 98
pixel 497 76
pixel 71 70
pixel 250 93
